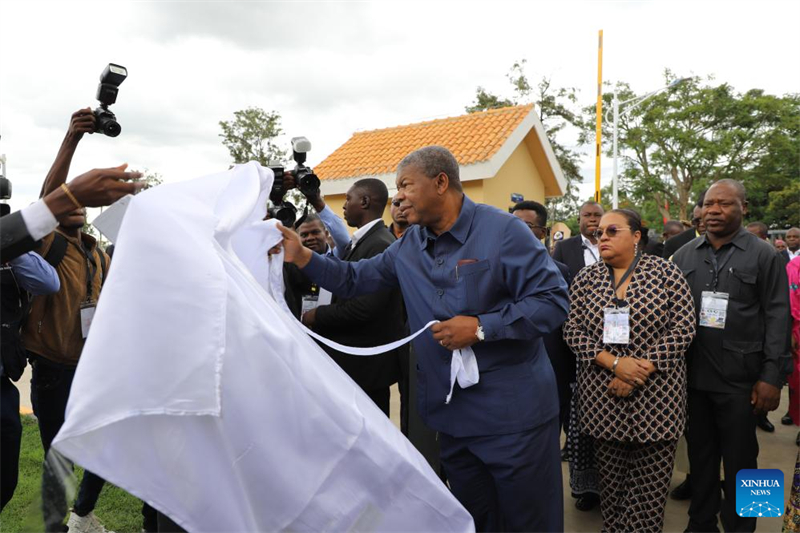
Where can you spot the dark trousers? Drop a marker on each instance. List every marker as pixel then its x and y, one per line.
pixel 10 439
pixel 508 482
pixel 50 387
pixel 720 426
pixel 381 398
pixel 634 480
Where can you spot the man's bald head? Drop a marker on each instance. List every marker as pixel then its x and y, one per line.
pixel 793 239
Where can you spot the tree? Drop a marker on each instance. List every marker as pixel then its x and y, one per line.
pixel 251 135
pixel 560 115
pixel 677 143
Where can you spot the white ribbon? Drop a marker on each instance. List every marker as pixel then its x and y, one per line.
pixel 463 366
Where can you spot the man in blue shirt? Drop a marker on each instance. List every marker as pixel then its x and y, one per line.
pixel 28 273
pixel 493 287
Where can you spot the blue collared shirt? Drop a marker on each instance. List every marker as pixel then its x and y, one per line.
pixel 34 274
pixel 488 265
pixel 337 229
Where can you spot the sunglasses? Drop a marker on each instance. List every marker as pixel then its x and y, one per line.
pixel 611 231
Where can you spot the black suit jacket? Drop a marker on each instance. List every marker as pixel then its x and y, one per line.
pixel 14 237
pixel 368 320
pixel 561 357
pixel 785 255
pixel 570 252
pixel 674 244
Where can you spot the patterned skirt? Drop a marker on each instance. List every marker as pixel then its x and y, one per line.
pixel 584 477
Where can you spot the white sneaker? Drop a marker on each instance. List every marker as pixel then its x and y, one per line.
pixel 85 524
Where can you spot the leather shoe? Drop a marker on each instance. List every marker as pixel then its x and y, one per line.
pixel 764 423
pixel 786 420
pixel 587 502
pixel 682 491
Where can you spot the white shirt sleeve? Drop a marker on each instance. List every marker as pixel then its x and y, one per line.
pixel 39 220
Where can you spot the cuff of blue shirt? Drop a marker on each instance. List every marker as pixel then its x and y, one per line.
pixel 493 327
pixel 39 220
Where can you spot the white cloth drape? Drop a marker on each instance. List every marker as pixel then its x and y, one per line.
pixel 197 393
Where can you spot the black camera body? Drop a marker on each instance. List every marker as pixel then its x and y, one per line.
pixel 110 80
pixel 307 182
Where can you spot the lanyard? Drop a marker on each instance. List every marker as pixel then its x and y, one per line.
pixel 719 265
pixel 624 277
pixel 91 270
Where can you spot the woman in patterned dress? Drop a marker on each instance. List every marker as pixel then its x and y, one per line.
pixel 631 321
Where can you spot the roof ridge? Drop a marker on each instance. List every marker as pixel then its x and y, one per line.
pixel 484 112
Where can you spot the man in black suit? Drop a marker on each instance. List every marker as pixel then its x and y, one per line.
pixel 372 319
pixel 581 250
pixel 534 215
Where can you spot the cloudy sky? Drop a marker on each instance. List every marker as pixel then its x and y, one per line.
pixel 334 68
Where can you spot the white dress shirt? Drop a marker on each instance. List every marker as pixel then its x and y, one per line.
pixel 591 252
pixel 39 220
pixel 360 232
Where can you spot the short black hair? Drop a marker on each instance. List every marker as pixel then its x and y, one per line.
pixel 676 223
pixel 309 217
pixel 762 229
pixel 377 192
pixel 736 184
pixel 432 161
pixel 530 205
pixel 589 202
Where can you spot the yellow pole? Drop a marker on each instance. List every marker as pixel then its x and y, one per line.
pixel 598 136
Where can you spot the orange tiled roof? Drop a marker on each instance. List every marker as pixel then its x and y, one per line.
pixel 471 138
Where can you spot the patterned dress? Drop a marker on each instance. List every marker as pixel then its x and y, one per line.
pixel 635 437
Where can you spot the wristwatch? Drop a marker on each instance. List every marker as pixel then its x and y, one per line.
pixel 614 366
pixel 479 333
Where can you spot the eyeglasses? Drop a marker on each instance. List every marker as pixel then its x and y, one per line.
pixel 534 226
pixel 611 231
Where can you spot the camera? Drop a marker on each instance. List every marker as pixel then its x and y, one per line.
pixel 110 80
pixel 306 180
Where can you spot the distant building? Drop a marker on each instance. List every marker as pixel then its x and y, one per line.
pixel 502 152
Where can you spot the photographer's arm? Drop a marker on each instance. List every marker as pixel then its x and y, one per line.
pixel 82 121
pixel 336 227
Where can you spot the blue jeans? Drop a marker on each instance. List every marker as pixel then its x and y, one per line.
pixel 50 388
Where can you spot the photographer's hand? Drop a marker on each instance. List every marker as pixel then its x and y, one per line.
pixel 82 121
pixel 315 199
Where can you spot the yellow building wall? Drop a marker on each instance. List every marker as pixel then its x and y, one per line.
pixel 518 175
pixel 473 189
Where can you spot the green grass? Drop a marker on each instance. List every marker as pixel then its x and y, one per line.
pixel 118 510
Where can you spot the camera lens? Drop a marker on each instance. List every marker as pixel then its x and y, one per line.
pixel 112 128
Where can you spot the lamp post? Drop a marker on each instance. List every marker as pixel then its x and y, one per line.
pixel 631 105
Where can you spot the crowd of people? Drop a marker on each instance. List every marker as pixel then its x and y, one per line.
pixel 641 351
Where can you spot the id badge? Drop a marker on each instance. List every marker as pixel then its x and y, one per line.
pixel 713 309
pixel 309 302
pixel 87 315
pixel 616 326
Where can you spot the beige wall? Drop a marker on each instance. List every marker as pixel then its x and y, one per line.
pixel 518 175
